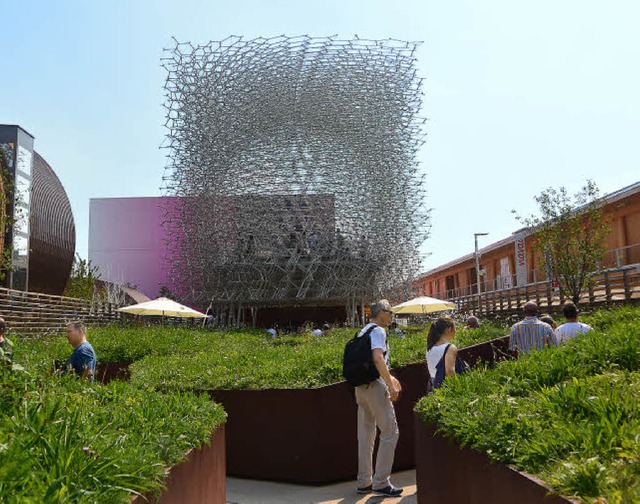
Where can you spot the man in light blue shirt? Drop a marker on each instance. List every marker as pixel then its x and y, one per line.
pixel 530 333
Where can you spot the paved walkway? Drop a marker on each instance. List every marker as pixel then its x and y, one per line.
pixel 242 491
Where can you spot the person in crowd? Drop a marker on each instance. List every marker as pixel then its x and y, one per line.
pixel 208 320
pixel 548 319
pixel 530 333
pixel 83 358
pixel 375 409
pixel 3 326
pixel 273 332
pixel 441 353
pixel 396 331
pixel 472 323
pixel 572 327
pixel 324 331
pixel 5 349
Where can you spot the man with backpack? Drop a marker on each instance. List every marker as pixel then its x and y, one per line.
pixel 375 408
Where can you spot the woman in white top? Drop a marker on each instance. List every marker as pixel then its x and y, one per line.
pixel 441 353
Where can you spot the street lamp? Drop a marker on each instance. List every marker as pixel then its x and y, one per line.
pixel 475 236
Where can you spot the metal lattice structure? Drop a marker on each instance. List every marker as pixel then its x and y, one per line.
pixel 293 161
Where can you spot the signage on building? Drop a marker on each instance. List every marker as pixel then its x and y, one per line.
pixel 521 260
pixel 506 281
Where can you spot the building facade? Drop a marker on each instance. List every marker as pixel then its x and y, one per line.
pixel 127 242
pixel 39 229
pixel 52 237
pixel 511 262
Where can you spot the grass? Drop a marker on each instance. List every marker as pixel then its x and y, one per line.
pixel 167 358
pixel 67 440
pixel 570 415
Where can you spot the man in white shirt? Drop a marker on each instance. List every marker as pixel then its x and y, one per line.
pixel 321 332
pixel 375 409
pixel 572 328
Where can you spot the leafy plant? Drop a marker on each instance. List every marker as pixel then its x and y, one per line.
pixel 64 440
pixel 188 358
pixel 570 236
pixel 7 221
pixel 81 283
pixel 568 414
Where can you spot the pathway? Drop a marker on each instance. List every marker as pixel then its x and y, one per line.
pixel 243 491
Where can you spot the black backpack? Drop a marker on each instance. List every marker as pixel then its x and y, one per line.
pixel 357 363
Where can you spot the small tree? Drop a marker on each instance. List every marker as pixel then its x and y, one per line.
pixel 109 292
pixel 82 281
pixel 569 236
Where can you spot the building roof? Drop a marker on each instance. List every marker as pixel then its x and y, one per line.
pixel 489 248
pixel 17 126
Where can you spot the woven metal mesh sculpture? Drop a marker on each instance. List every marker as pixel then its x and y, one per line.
pixel 293 161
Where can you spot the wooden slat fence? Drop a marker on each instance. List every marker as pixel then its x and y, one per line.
pixel 35 313
pixel 608 286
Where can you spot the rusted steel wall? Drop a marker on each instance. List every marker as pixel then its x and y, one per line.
pixel 489 352
pixel 308 436
pixel 448 473
pixel 107 371
pixel 201 478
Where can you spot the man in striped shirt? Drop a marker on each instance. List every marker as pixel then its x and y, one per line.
pixel 530 333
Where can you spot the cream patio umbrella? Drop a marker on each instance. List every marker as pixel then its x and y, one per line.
pixel 422 305
pixel 162 307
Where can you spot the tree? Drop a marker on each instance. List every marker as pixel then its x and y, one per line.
pixel 82 281
pixel 569 236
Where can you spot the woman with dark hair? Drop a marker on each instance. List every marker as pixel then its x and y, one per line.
pixel 441 353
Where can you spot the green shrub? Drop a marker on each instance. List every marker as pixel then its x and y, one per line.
pixel 486 332
pixel 571 414
pixel 253 361
pixel 192 358
pixel 67 440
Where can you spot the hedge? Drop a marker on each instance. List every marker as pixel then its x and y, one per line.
pixel 569 415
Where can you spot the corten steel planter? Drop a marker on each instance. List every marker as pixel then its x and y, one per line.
pixel 488 352
pixel 449 473
pixel 308 436
pixel 200 478
pixel 107 371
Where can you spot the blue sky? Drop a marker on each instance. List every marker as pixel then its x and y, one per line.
pixel 519 95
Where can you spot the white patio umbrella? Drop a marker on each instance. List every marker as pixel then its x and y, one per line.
pixel 422 305
pixel 162 307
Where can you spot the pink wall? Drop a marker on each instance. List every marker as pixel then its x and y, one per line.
pixel 127 241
